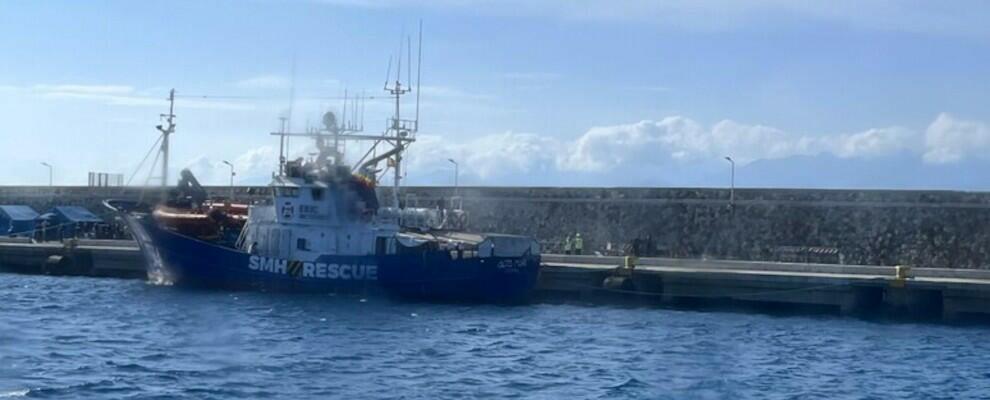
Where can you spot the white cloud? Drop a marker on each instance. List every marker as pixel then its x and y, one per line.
pixel 949 140
pixel 85 89
pixel 747 143
pixel 617 152
pixel 205 170
pixel 107 98
pixel 116 95
pixel 680 139
pixel 490 158
pixel 264 82
pixel 604 148
pixel 253 166
pixel 257 159
pixel 872 143
pixel 510 153
pixel 486 157
pixel 644 145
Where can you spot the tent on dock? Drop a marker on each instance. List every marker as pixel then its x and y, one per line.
pixel 16 220
pixel 73 219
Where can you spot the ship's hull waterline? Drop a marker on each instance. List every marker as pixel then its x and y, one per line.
pixel 436 275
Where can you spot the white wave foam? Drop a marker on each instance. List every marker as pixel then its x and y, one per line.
pixel 15 393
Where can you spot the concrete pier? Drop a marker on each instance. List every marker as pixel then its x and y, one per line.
pixel 100 258
pixel 847 289
pixel 924 292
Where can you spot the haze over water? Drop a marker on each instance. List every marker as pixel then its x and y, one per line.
pixel 115 339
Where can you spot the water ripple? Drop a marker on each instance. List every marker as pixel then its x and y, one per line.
pixel 113 339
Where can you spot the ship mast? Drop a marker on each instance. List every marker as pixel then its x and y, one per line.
pixel 167 129
pixel 398 132
pixel 281 147
pixel 398 128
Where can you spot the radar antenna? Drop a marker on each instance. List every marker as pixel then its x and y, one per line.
pixel 398 134
pixel 399 129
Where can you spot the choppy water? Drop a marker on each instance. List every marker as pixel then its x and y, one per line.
pixel 92 338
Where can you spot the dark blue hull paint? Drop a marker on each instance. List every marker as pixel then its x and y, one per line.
pixel 425 275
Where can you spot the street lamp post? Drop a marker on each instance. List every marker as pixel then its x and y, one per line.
pixel 51 173
pixel 231 179
pixel 732 181
pixel 456 172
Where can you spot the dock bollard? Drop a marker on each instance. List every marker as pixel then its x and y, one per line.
pixel 621 277
pixel 629 262
pixel 902 272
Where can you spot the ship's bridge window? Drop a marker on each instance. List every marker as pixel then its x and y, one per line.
pixel 287 192
pixel 317 194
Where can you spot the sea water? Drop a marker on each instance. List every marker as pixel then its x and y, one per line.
pixel 72 338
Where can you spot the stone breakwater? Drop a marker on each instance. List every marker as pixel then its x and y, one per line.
pixel 942 229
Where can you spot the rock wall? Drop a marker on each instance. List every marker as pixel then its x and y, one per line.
pixel 921 228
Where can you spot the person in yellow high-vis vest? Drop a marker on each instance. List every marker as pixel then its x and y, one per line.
pixel 578 244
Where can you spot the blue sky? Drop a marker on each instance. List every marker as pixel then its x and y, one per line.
pixel 879 94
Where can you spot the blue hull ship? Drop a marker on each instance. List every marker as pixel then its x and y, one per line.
pixel 319 227
pixel 176 258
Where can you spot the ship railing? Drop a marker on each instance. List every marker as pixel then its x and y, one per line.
pixel 414 217
pixel 406 127
pixel 454 219
pixel 387 215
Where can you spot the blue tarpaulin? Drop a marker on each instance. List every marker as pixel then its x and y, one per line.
pixel 76 214
pixel 16 219
pixel 68 220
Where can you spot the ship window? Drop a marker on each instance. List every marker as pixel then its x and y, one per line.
pixel 301 244
pixel 288 192
pixel 317 194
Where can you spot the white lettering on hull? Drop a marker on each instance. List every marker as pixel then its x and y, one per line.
pixel 314 270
